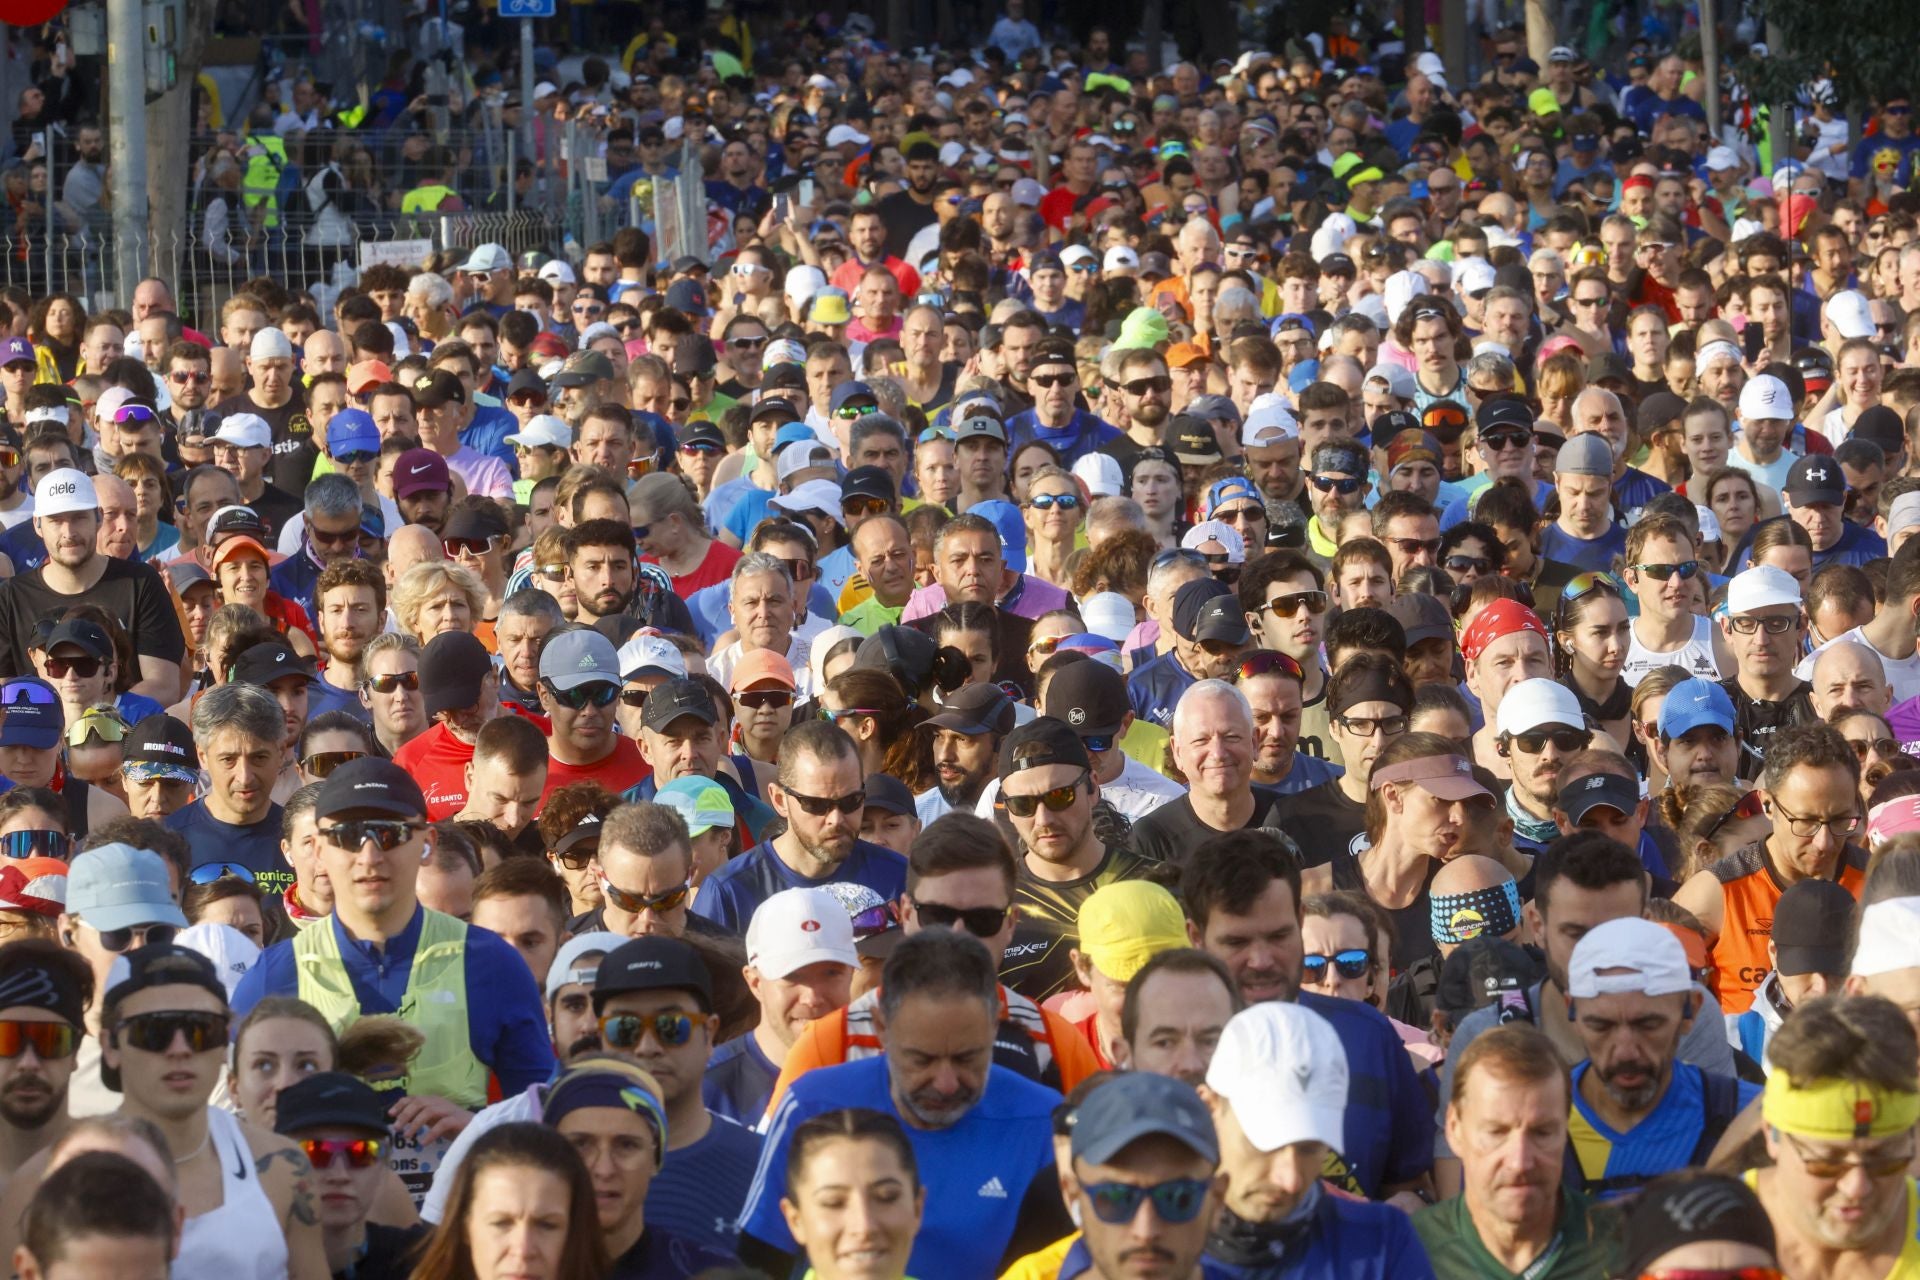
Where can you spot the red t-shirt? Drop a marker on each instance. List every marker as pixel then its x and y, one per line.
pixel 616 773
pixel 1089 1027
pixel 438 762
pixel 715 568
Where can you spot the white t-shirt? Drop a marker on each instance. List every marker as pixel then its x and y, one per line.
pixel 1902 673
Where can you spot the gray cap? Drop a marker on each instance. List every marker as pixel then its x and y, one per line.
pixel 574 658
pixel 1140 1104
pixel 120 887
pixel 1587 454
pixel 1422 616
pixel 579 959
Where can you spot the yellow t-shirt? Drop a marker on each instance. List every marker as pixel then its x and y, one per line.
pixel 1042 1264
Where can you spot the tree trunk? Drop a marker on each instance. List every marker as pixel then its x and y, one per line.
pixel 169 155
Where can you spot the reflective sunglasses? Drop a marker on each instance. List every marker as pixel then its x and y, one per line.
pixel 1176 1200
pixel 1566 741
pixel 875 920
pixel 86 668
pixel 1661 572
pixel 834 717
pixel 764 699
pixel 1348 964
pixel 386 833
pixel 981 922
pixel 1262 662
pixel 1342 485
pixel 704 447
pixel 359 1153
pixel 1048 501
pixel 208 872
pixel 1446 421
pixel 133 413
pixel 861 506
pixel 36 844
pixel 1098 743
pixel 637 467
pixel 599 693
pixel 408 680
pixel 9 456
pixel 1747 806
pixel 46 1039
pixel 1059 799
pixel 322 763
pixel 457 547
pixel 820 806
pixel 156 1032
pixel 96 720
pixel 139 935
pixel 658 903
pixel 624 1030
pixel 1882 1165
pixel 1287 606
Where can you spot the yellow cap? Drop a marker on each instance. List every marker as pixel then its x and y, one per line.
pixel 1124 925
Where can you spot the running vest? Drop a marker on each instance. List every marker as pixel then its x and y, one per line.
pixel 1696 655
pixel 1749 893
pixel 425 199
pixel 267 156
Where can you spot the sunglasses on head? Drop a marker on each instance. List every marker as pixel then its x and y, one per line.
pixel 1353 963
pixel 821 806
pixel 359 1153
pixel 48 1040
pixel 1059 799
pixel 408 680
pixel 981 922
pixel 598 693
pixel 658 903
pixel 208 872
pixel 156 1032
pixel 625 1030
pixel 36 844
pixel 387 834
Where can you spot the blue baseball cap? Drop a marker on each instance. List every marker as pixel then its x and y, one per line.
pixel 792 433
pixel 1231 489
pixel 352 431
pixel 1013 530
pixel 1694 704
pixel 847 391
pixel 33 715
pixel 117 886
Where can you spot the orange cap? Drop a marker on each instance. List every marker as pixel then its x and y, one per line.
pixel 1182 355
pixel 234 548
pixel 762 664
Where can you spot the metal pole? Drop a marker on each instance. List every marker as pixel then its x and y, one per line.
pixel 127 130
pixel 513 140
pixel 53 139
pixel 1710 55
pixel 526 91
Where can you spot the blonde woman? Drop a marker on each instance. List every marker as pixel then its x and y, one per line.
pixel 438 596
pixel 1054 509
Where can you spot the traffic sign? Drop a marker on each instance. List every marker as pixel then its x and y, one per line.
pixel 527 8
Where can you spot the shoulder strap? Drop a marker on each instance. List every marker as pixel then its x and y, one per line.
pixel 1719 1104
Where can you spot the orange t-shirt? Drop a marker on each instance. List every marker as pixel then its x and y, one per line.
pixel 1750 890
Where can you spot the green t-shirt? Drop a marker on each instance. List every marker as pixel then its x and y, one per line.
pixel 1587 1244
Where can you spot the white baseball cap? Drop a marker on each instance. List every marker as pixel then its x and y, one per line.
pixel 64 490
pixel 1850 313
pixel 487 257
pixel 1401 288
pixel 841 134
pixel 803 282
pixel 1766 397
pixel 822 496
pixel 1120 258
pixel 1217 531
pixel 1028 192
pixel 543 431
pixel 644 655
pixel 1109 614
pixel 1709 524
pixel 1905 512
pixel 1077 253
pixel 231 951
pixel 579 959
pixel 111 401
pixel 1723 158
pixel 1269 422
pixel 557 272
pixel 1888 933
pixel 798 927
pixel 245 431
pixel 1399 379
pixel 1532 704
pixel 1101 474
pixel 270 344
pixel 1283 1070
pixel 1629 954
pixel 1471 275
pixel 798 457
pixel 1760 586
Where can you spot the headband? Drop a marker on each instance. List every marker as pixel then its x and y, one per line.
pixel 1492 912
pixel 1892 817
pixel 1372 685
pixel 1837 1110
pixel 609 1084
pixel 1501 618
pixel 40 986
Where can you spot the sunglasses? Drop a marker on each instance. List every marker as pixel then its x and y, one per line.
pixel 188 378
pixel 387 834
pixel 820 806
pixel 1446 422
pixel 322 763
pixel 576 857
pixel 107 724
pixel 863 506
pixel 208 872
pixel 1566 741
pixel 849 412
pixel 1050 380
pixel 624 1030
pixel 701 447
pixel 47 1039
pixel 1287 606
pixel 133 413
pixel 764 699
pixel 85 668
pixel 1140 386
pixel 1059 799
pixel 1264 662
pixel 456 547
pixel 658 903
pixel 1348 964
pixel 139 935
pixel 1342 485
pixel 359 1153
pixel 1662 572
pixel 36 844
pixel 594 311
pixel 680 404
pixel 637 467
pixel 408 680
pixel 156 1032
pixel 1502 440
pixel 1176 1200
pixel 9 456
pixel 600 693
pixel 1048 501
pixel 1880 1165
pixel 981 922
pixel 1469 564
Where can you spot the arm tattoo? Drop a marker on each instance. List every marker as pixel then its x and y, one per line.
pixel 300 1206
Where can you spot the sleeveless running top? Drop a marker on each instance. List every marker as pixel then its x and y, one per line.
pixel 241 1240
pixel 1749 892
pixel 1907 1265
pixel 1696 655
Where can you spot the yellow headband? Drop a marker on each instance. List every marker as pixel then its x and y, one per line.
pixel 1837 1110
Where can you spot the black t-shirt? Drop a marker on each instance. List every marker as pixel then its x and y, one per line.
pixel 388 1255
pixel 293 450
pixel 276 507
pixel 1172 831
pixel 130 591
pixel 1412 924
pixel 1323 822
pixel 1755 722
pixel 904 217
pixel 1038 963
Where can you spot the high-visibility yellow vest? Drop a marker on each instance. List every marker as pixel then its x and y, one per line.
pixel 262 180
pixel 425 199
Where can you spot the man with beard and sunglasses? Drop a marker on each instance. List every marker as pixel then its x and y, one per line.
pixel 248 1195
pixel 46 988
pixel 980 1133
pixel 470 993
pixel 1638 1111
pixel 961 875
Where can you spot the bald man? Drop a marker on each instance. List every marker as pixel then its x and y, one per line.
pixel 1474 897
pixel 229 373
pixel 411 544
pixel 323 352
pixel 118 535
pixel 1845 674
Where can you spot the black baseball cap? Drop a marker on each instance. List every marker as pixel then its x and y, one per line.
pixel 674 699
pixel 887 793
pixel 525 381
pixel 975 710
pixel 1479 971
pixel 268 661
pixel 441 387
pixel 371 785
pixel 1043 741
pixel 1191 440
pixel 1089 697
pixel 160 746
pixel 869 482
pixel 903 651
pixel 475 522
pixel 1810 926
pixel 330 1100
pixel 83 633
pixel 1499 411
pixel 701 431
pixel 452 668
pixel 652 963
pixel 236 520
pixel 1206 609
pixel 1580 797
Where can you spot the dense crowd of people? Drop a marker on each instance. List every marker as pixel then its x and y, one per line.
pixel 1295 668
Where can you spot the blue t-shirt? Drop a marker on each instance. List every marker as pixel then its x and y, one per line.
pixel 746 513
pixel 1345 1240
pixel 255 846
pixel 135 707
pixel 701 1189
pixel 1649 109
pixel 323 697
pixel 1664 1139
pixel 1307 772
pixel 1084 434
pixel 1878 156
pixel 506 1017
pixel 1636 489
pixel 488 433
pixel 1389 1123
pixel 1070 315
pixel 23 546
pixel 296 577
pixel 739 1080
pixel 976 1172
pixel 1857 545
pixel 1155 686
pixel 731 894
pixel 1583 553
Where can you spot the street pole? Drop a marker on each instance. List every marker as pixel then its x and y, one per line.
pixel 127 134
pixel 1710 56
pixel 526 91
